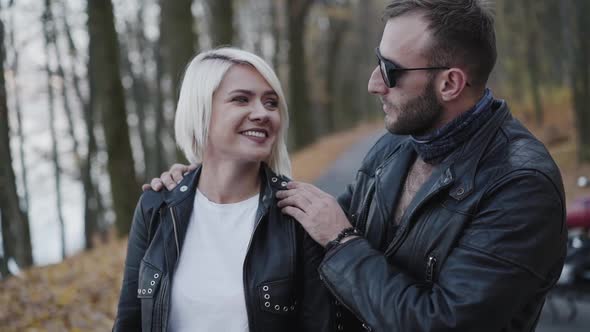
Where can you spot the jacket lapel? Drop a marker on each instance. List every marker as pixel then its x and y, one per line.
pixel 388 184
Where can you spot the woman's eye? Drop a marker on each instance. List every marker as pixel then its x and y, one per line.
pixel 271 104
pixel 240 99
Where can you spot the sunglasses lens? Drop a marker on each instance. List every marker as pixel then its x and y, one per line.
pixel 384 74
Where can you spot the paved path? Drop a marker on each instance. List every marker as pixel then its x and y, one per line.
pixel 342 172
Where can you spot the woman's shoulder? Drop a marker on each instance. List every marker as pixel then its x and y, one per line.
pixel 150 200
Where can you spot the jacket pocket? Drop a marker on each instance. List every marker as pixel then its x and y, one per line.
pixel 149 280
pixel 277 297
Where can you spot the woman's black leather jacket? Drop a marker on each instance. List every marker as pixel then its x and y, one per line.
pixel 281 282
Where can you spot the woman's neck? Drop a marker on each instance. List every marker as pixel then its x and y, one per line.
pixel 227 182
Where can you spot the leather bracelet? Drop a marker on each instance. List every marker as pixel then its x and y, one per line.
pixel 350 231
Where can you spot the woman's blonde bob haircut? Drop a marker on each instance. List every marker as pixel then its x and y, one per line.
pixel 201 79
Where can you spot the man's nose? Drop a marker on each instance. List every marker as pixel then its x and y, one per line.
pixel 376 84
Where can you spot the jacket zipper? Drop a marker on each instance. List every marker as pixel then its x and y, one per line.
pixel 175 234
pixel 159 306
pixel 430 265
pixel 245 275
pixel 362 225
pixel 164 291
pixel 335 294
pixel 404 226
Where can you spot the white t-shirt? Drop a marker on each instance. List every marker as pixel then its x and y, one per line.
pixel 207 289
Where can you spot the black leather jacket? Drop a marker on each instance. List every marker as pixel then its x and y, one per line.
pixel 478 248
pixel 281 282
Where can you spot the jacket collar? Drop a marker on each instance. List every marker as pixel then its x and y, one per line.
pixel 459 168
pixel 180 201
pixel 464 160
pixel 270 184
pixel 457 172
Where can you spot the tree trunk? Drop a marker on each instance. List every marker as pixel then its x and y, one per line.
pixel 336 33
pixel 92 199
pixel 16 238
pixel 221 27
pixel 49 36
pixel 177 41
pixel 140 98
pixel 581 76
pixel 303 127
pixel 276 33
pixel 532 54
pixel 17 108
pixel 107 99
pixel 159 156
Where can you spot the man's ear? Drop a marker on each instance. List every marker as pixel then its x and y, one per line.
pixel 452 84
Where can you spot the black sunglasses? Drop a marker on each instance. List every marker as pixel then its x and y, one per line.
pixel 391 71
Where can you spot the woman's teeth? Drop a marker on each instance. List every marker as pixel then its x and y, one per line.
pixel 254 133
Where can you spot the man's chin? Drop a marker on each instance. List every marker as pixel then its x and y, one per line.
pixel 397 129
pixel 393 127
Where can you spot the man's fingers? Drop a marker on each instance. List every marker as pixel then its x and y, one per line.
pixel 178 171
pixel 177 176
pixel 146 187
pixel 295 213
pixel 298 201
pixel 167 180
pixel 155 184
pixel 312 191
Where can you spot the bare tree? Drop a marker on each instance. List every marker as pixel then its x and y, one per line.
pixel 177 39
pixel 138 89
pixel 108 100
pixel 177 44
pixel 14 67
pixel 532 36
pixel 93 205
pixel 580 73
pixel 16 238
pixel 49 36
pixel 304 133
pixel 339 19
pixel 221 15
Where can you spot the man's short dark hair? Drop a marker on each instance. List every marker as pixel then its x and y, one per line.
pixel 462 30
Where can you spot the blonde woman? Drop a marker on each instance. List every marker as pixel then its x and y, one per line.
pixel 216 253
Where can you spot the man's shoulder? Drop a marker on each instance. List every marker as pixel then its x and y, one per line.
pixel 516 148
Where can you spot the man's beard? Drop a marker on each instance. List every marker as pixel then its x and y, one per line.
pixel 418 115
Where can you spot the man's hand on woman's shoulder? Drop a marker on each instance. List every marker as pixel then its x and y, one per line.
pixel 170 178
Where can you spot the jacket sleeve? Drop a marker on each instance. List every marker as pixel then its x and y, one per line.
pixel 315 311
pixel 510 254
pixel 129 307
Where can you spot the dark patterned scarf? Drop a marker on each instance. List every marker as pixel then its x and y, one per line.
pixel 434 147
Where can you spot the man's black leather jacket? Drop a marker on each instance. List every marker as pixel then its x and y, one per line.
pixel 477 249
pixel 281 282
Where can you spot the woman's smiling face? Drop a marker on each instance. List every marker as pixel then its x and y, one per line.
pixel 245 118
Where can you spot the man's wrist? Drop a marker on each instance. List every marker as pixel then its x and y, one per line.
pixel 348 238
pixel 345 235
